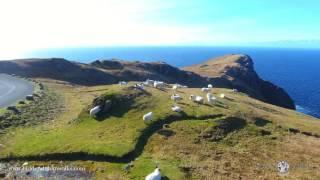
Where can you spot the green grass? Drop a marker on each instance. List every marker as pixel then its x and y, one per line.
pixel 2 110
pixel 180 150
pixel 114 136
pixel 146 164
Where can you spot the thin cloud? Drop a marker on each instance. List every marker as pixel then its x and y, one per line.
pixel 34 24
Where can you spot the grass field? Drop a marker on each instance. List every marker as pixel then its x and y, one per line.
pixel 226 140
pixel 126 122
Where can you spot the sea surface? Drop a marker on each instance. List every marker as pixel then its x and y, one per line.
pixel 295 70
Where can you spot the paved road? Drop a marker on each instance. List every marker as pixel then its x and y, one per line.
pixel 13 89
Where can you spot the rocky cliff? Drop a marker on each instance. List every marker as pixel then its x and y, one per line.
pixel 232 71
pixel 237 71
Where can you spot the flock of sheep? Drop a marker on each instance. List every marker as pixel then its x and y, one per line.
pixel 156 174
pixel 211 99
pixel 176 97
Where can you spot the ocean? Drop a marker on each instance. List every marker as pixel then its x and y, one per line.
pixel 295 70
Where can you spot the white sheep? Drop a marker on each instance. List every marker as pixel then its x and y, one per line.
pixel 158 84
pixel 210 86
pixel 178 86
pixel 176 97
pixel 176 108
pixel 205 90
pixel 222 96
pixel 149 82
pixel 122 83
pixel 197 99
pixel 139 86
pixel 148 117
pixel 155 175
pixel 95 111
pixel 211 99
pixel 175 87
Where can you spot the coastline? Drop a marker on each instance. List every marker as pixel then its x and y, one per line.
pixel 288 68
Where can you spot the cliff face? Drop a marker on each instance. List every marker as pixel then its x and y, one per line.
pixel 237 71
pixel 233 71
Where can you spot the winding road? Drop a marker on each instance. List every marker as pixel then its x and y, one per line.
pixel 13 89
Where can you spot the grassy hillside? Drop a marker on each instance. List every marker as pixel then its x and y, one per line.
pixel 237 137
pixel 44 106
pixel 230 71
pixel 124 122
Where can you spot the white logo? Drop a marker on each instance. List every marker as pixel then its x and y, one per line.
pixel 283 167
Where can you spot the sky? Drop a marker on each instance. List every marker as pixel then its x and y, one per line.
pixel 36 24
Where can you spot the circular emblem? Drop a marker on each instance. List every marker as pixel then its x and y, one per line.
pixel 283 167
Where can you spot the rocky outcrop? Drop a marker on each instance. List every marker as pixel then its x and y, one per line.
pixel 232 71
pixel 237 71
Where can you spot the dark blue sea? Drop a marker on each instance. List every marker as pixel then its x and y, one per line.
pixel 295 70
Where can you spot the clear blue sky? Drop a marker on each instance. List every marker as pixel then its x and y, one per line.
pixel 247 20
pixel 33 24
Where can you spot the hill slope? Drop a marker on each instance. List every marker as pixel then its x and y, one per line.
pixel 56 68
pixel 236 137
pixel 235 71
